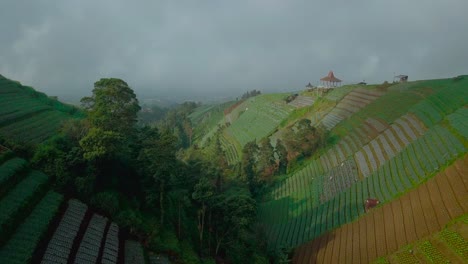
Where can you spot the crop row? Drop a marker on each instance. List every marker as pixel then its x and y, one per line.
pixel 458 121
pixel 20 198
pixel 91 243
pixel 9 169
pixel 21 246
pixel 350 104
pixel 446 246
pixel 111 246
pixel 404 171
pixel 35 128
pixel 388 144
pixel 436 106
pixel 261 114
pixel 59 247
pixel 23 113
pixel 383 230
pixel 230 151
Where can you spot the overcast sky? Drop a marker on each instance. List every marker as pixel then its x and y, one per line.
pixel 205 49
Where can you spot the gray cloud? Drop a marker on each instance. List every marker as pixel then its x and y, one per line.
pixel 200 49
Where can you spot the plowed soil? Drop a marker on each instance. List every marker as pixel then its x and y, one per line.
pixel 383 230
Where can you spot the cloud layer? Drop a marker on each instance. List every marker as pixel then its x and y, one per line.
pixel 204 49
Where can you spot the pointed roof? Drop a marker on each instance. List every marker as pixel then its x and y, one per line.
pixel 330 78
pixel 309 85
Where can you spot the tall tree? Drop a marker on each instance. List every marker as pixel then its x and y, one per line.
pixel 203 193
pixel 158 159
pixel 113 105
pixel 249 161
pixel 233 212
pixel 282 154
pixel 266 159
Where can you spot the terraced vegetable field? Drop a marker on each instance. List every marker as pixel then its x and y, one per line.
pixel 303 204
pixel 27 211
pixel 28 116
pixel 447 246
pixel 385 229
pixel 350 104
pixel 302 101
pixel 259 116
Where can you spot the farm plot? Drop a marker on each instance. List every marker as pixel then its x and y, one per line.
pixel 338 179
pixel 19 198
pixel 447 246
pixel 8 171
pixel 385 230
pixel 388 144
pixel 230 151
pixel 21 246
pixel 406 170
pixel 59 247
pixel 432 110
pixel 302 101
pixel 91 243
pixel 350 104
pixel 458 121
pixel 35 128
pixel 111 246
pixel 259 117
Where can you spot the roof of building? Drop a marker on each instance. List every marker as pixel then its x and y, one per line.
pixel 330 78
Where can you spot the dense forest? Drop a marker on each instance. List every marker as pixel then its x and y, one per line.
pixel 141 175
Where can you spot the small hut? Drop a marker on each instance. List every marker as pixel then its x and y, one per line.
pixel 309 87
pixel 330 81
pixel 400 78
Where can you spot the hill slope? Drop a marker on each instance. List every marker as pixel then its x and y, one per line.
pixel 388 147
pixel 28 116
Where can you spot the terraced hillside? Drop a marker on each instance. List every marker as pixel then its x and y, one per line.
pixel 27 116
pixel 205 120
pixel 28 233
pixel 412 216
pixel 257 117
pixel 388 147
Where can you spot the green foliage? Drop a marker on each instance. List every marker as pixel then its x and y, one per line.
pixel 188 255
pixel 249 161
pixel 107 202
pixel 100 144
pixel 113 106
pixel 9 169
pixel 129 218
pixel 303 139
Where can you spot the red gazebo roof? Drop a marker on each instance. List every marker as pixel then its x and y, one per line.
pixel 330 78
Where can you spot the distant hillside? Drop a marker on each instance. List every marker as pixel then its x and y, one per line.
pixel 29 116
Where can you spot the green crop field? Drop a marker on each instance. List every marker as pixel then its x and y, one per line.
pixel 323 196
pixel 258 117
pixel 28 116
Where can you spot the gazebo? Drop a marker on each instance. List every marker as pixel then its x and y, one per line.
pixel 400 78
pixel 330 80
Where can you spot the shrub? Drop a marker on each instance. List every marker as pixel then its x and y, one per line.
pixel 107 202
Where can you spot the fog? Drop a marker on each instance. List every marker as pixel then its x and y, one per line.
pixel 203 50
